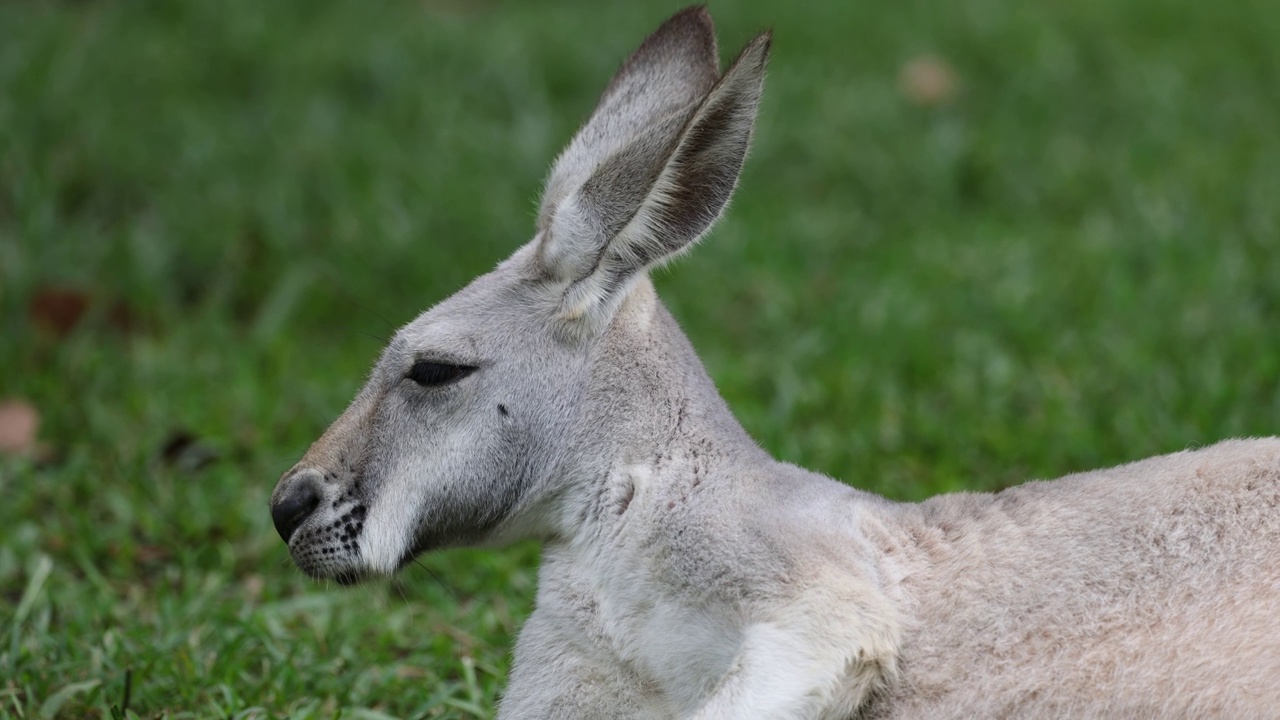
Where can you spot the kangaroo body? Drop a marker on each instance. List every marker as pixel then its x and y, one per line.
pixel 703 568
pixel 686 573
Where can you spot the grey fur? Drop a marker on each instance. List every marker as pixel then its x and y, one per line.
pixel 688 574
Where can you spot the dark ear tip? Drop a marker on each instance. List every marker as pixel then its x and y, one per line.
pixel 755 55
pixel 765 41
pixel 694 13
pixel 695 18
pixel 689 33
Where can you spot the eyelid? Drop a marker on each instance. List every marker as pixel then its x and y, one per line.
pixel 429 374
pixel 444 360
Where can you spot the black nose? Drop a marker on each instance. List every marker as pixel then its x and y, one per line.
pixel 294 506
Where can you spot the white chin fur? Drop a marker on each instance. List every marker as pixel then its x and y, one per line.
pixel 388 532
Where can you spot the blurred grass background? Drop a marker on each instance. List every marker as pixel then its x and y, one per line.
pixel 977 242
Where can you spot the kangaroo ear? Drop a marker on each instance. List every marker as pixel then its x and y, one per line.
pixel 656 87
pixel 652 195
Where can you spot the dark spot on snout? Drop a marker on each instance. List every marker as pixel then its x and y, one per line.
pixel 503 409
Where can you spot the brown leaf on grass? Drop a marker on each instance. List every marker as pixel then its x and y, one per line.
pixel 929 81
pixel 153 554
pixel 253 586
pixel 19 422
pixel 58 310
pixel 409 672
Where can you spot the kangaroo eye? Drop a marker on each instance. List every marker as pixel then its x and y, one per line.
pixel 428 374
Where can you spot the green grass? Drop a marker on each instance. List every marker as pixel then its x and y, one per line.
pixel 1072 265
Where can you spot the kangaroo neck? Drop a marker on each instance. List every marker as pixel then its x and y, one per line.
pixel 667 394
pixel 651 409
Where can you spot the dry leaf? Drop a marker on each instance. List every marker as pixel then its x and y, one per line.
pixel 153 554
pixel 928 81
pixel 186 452
pixel 253 586
pixel 19 421
pixel 58 310
pixel 409 672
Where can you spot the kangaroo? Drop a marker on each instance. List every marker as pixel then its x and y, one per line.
pixel 688 574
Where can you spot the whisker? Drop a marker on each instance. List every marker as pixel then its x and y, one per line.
pixel 457 599
pixel 371 311
pixel 289 459
pixel 399 588
pixel 279 463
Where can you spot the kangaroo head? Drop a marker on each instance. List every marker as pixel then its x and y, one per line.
pixel 472 424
